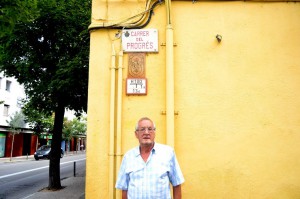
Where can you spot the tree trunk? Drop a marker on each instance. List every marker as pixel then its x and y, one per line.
pixel 67 148
pixel 37 142
pixel 54 163
pixel 12 147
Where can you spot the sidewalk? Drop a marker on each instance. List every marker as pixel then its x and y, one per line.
pixel 74 187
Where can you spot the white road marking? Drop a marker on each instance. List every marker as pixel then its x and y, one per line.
pixel 30 170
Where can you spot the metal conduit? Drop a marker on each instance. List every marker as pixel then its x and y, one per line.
pixel 119 115
pixel 112 124
pixel 169 78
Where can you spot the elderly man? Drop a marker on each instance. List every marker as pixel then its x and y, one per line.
pixel 148 169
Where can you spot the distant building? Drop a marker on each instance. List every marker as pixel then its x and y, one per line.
pixel 11 95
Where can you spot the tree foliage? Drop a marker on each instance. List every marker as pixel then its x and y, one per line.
pixel 13 11
pixel 45 46
pixel 49 55
pixel 16 122
pixel 74 128
pixel 39 122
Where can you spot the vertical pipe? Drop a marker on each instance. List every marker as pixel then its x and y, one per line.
pixel 169 78
pixel 112 125
pixel 119 114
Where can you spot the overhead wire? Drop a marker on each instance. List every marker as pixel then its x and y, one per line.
pixel 149 17
pixel 140 20
pixel 143 21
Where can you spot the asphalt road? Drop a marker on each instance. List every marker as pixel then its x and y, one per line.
pixel 20 179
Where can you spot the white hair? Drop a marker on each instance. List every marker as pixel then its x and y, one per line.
pixel 143 118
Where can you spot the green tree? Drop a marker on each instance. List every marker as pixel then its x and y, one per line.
pixel 79 126
pixel 39 122
pixel 16 122
pixel 15 11
pixel 67 132
pixel 74 128
pixel 48 52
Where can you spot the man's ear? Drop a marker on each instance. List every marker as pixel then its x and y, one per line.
pixel 136 134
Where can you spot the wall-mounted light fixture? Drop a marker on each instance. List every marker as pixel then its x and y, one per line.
pixel 219 38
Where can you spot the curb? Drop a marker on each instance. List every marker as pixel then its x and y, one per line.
pixel 31 157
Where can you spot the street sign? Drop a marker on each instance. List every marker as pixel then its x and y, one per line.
pixel 140 40
pixel 136 86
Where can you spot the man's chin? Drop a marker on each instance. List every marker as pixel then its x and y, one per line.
pixel 147 143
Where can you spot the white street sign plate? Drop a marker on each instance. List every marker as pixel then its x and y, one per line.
pixel 136 86
pixel 140 40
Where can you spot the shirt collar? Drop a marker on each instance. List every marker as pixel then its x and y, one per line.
pixel 137 150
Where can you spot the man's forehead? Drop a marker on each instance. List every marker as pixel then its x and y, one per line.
pixel 145 122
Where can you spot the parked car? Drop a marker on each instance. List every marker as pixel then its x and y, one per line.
pixel 43 152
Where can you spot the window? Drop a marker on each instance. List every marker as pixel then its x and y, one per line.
pixel 0 81
pixel 8 84
pixel 6 110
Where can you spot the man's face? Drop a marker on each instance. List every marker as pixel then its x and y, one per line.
pixel 145 133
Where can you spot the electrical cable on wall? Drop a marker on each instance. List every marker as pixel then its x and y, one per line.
pixel 142 22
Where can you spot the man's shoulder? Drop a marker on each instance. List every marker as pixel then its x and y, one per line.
pixel 163 147
pixel 133 151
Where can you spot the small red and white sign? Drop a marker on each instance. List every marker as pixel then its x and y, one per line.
pixel 140 40
pixel 136 86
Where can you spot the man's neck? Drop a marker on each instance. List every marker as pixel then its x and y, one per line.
pixel 144 149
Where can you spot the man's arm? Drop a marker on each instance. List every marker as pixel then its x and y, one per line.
pixel 124 194
pixel 176 192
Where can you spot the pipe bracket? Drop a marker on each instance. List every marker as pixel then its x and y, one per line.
pixel 164 44
pixel 165 112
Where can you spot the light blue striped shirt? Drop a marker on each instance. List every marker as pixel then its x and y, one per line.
pixel 151 179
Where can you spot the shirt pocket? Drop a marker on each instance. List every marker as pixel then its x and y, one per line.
pixel 162 183
pixel 162 172
pixel 135 172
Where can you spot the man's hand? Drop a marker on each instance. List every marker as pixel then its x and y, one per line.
pixel 124 194
pixel 176 192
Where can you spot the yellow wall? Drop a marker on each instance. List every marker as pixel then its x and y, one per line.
pixel 238 125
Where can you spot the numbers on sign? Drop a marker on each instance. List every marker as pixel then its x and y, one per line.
pixel 136 86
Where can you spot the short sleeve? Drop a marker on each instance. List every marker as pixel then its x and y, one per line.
pixel 123 178
pixel 175 175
